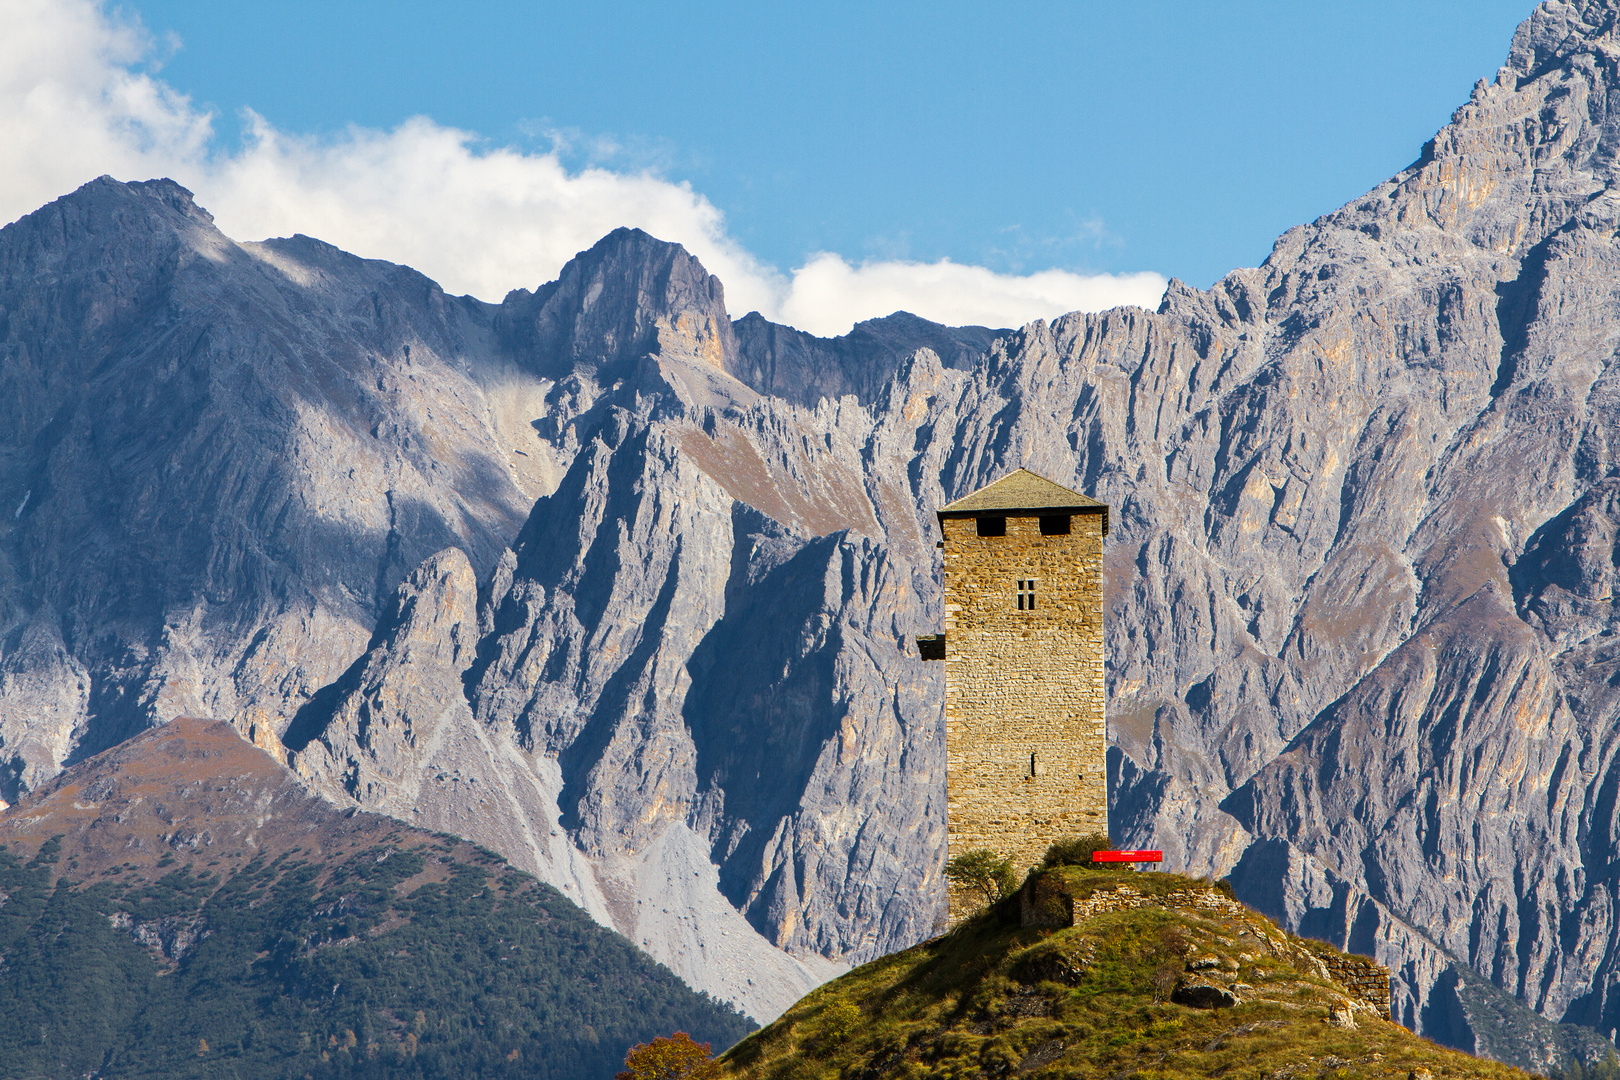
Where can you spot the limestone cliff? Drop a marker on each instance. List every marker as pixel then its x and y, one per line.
pixel 1359 581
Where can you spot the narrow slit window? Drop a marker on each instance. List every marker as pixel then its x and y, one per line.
pixel 1026 594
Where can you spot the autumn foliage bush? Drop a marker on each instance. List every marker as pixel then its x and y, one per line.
pixel 670 1057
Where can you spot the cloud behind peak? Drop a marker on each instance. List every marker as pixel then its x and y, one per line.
pixel 75 103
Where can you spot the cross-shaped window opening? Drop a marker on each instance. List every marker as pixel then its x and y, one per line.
pixel 1026 594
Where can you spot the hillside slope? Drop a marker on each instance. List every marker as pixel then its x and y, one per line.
pixel 1105 975
pixel 179 906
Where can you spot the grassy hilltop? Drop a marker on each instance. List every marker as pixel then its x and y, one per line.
pixel 1103 997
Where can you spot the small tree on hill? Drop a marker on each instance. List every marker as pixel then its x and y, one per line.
pixel 985 871
pixel 1076 850
pixel 669 1057
pixel 840 1020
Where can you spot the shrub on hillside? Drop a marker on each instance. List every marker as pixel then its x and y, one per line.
pixel 984 871
pixel 1076 850
pixel 840 1020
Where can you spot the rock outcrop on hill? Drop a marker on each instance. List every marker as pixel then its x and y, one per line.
pixel 648 578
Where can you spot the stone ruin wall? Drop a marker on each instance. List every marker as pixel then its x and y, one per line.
pixel 1022 683
pixel 1363 977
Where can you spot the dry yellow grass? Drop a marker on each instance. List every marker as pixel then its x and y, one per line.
pixel 993 998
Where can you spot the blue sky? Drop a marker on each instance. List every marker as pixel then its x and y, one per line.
pixel 1093 138
pixel 1179 137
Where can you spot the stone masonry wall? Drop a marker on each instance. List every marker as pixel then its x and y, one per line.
pixel 1024 734
pixel 1042 902
pixel 1363 977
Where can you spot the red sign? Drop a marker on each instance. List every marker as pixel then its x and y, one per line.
pixel 1127 856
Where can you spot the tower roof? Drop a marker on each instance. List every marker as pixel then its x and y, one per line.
pixel 1023 492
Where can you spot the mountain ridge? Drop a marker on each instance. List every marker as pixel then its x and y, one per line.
pixel 1361 561
pixel 181 906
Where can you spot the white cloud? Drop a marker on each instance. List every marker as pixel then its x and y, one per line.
pixel 827 293
pixel 74 105
pixel 477 222
pixel 72 108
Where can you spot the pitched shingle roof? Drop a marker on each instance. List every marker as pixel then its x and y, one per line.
pixel 1023 490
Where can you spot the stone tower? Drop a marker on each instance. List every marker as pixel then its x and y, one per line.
pixel 1023 651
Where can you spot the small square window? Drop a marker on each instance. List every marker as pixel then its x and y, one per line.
pixel 992 526
pixel 1054 524
pixel 1026 594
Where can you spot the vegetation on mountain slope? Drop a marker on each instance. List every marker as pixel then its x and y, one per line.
pixel 145 937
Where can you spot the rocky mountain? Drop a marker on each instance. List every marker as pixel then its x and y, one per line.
pixel 218 461
pixel 222 461
pixel 180 906
pixel 626 589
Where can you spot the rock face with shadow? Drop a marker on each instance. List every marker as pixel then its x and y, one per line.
pixel 216 461
pixel 636 601
pixel 264 481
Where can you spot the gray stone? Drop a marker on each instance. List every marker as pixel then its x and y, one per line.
pixel 1203 995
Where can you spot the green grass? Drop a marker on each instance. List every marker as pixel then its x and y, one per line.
pixel 993 998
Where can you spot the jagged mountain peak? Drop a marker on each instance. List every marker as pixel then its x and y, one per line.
pixel 1530 155
pixel 1557 29
pixel 629 294
pixel 108 239
pixel 161 190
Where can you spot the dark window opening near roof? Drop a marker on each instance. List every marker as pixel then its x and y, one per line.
pixel 1054 524
pixel 992 526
